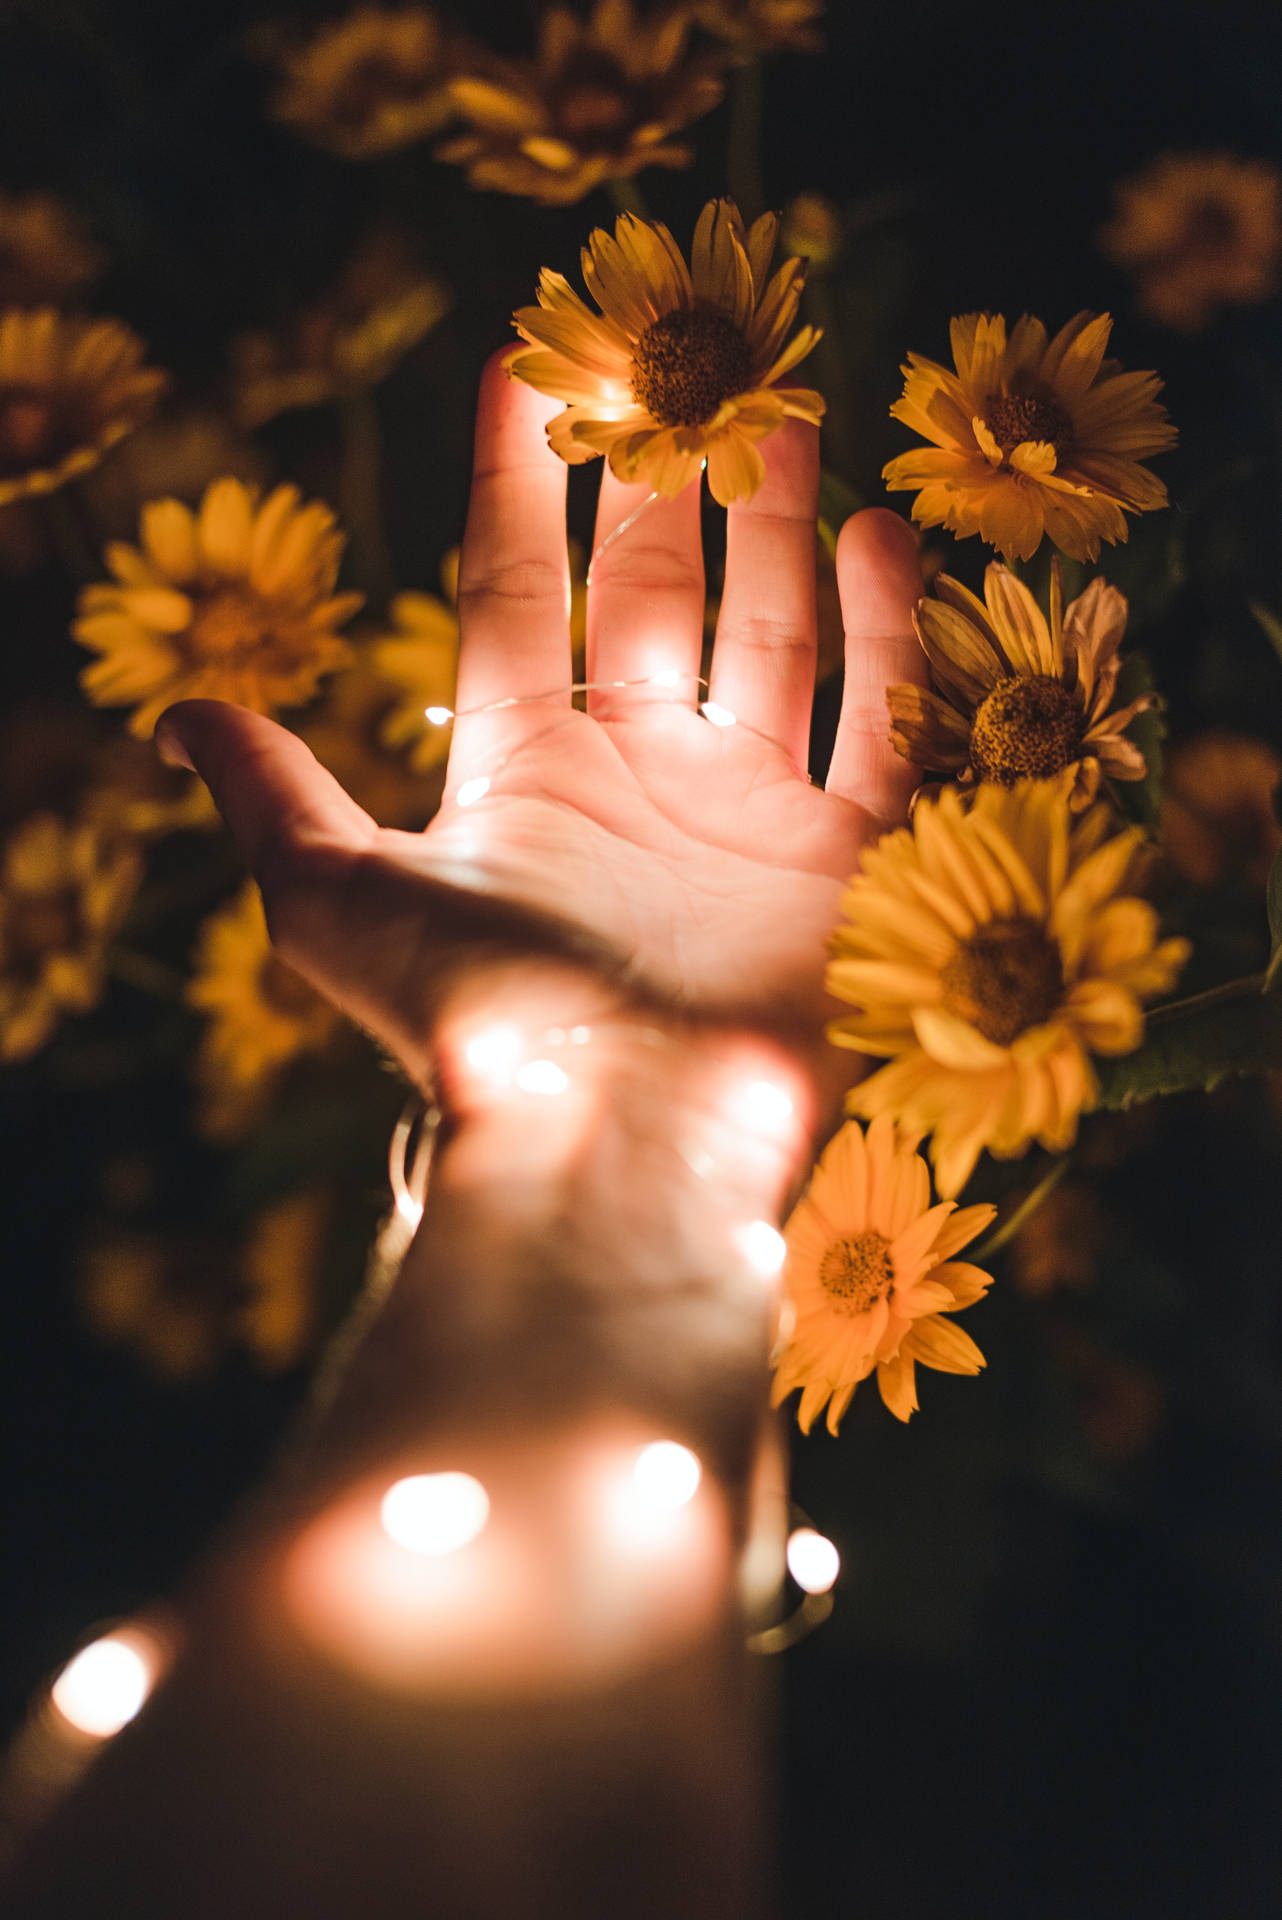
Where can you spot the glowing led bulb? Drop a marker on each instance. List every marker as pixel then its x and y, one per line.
pixel 473 790
pixel 668 678
pixel 763 1106
pixel 435 1513
pixel 813 1561
pixel 719 716
pixel 542 1076
pixel 666 1475
pixel 102 1689
pixel 439 716
pixel 763 1247
pixel 494 1052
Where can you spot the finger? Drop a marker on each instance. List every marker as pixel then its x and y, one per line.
pixel 879 579
pixel 645 597
pixel 273 793
pixel 514 573
pixel 763 663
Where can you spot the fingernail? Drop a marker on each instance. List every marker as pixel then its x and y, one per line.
pixel 170 747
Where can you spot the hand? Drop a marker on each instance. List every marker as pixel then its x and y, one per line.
pixel 693 866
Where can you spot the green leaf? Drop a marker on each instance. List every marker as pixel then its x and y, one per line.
pixel 837 501
pixel 1141 799
pixel 1198 1043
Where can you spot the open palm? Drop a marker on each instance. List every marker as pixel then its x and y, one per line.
pixel 692 864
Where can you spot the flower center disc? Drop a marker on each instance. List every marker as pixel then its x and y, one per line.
pixel 1013 418
pixel 1026 729
pixel 1004 978
pixel 228 623
pixel 856 1272
pixel 687 363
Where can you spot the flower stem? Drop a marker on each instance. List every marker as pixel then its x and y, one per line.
pixel 149 976
pixel 743 160
pixel 1242 989
pixel 360 486
pixel 626 196
pixel 1007 1229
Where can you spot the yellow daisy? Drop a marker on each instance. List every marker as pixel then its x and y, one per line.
pixel 599 101
pixel 382 305
pixel 64 890
pixel 1031 436
pixel 754 27
pixel 351 732
pixel 69 389
pixel 682 363
pixel 233 602
pixel 1016 696
pixel 870 1276
pixel 989 953
pixel 1198 231
pixel 370 82
pixel 262 1015
pixel 44 255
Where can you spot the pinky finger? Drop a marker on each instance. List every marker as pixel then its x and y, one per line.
pixel 880 584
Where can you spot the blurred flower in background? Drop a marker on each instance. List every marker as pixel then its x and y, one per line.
pixel 64 890
pixel 176 454
pixel 420 659
pixel 45 255
pixel 69 390
pixel 754 27
pixel 181 1300
pixel 352 733
pixel 682 364
pixel 381 306
pixel 370 82
pixel 262 1015
pixel 1031 436
pixel 599 101
pixel 1015 696
pixel 234 602
pixel 870 1277
pixel 1220 808
pixel 1198 232
pixel 811 227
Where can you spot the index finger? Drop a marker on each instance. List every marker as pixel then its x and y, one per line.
pixel 880 582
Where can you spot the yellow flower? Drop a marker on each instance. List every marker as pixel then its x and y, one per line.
pixel 69 389
pixel 761 26
pixel 180 1301
pixel 990 953
pixel 812 228
pixel 420 658
pixel 234 602
pixel 370 82
pixel 262 1015
pixel 382 306
pixel 44 256
pixel 350 732
pixel 680 366
pixel 64 890
pixel 1015 696
pixel 1219 813
pixel 870 1276
pixel 1198 231
pixel 1031 437
pixel 598 102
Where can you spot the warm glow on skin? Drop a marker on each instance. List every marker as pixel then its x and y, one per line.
pixel 763 1247
pixel 580 1575
pixel 435 1513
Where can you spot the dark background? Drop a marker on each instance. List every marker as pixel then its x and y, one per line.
pixel 1052 1687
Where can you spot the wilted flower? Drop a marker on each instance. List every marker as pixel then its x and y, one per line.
pixel 382 305
pixel 600 101
pixel 990 953
pixel 262 1015
pixel 1198 231
pixel 235 602
pixel 44 255
pixel 682 363
pixel 69 389
pixel 64 890
pixel 370 82
pixel 1031 436
pixel 1016 696
pixel 870 1277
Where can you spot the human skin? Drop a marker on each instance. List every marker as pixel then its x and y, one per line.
pixel 666 886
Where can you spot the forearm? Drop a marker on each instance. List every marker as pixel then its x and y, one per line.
pixel 578 1731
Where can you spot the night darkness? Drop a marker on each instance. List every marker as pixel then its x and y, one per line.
pixel 1052 1685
